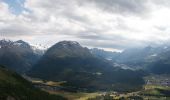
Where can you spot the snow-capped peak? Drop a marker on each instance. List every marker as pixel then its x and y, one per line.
pixel 38 46
pixel 64 43
pixel 153 55
pixel 38 49
pixel 74 42
pixel 17 44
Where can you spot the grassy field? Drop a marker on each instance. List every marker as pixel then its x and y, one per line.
pixel 75 96
pixel 69 95
pixel 151 92
pixel 156 92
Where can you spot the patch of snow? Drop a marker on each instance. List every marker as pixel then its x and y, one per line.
pixel 64 44
pixel 74 42
pixel 122 66
pixel 154 55
pixel 98 73
pixel 165 47
pixel 38 49
pixel 109 59
pixel 38 46
pixel 17 44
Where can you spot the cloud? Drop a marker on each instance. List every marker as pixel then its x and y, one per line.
pixel 116 24
pixel 123 6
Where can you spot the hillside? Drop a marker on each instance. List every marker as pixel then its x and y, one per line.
pixel 14 87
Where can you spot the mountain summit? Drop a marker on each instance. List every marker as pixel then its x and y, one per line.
pixel 68 49
pixel 17 55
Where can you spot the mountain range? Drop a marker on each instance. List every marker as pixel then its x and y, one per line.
pixel 152 59
pixel 69 61
pixel 83 68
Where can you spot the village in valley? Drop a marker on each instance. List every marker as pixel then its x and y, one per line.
pixel 162 80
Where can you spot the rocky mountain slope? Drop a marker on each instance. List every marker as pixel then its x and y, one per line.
pixel 17 55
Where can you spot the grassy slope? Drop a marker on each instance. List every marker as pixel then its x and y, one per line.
pixel 15 87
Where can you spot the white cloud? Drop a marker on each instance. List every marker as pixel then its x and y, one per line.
pixel 116 24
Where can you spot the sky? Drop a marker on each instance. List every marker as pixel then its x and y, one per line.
pixel 108 24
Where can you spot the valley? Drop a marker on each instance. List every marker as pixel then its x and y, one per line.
pixel 156 87
pixel 70 71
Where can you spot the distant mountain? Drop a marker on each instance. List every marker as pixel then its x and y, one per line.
pixel 69 61
pixel 161 63
pixel 38 49
pixel 153 59
pixel 108 55
pixel 17 55
pixel 135 56
pixel 14 87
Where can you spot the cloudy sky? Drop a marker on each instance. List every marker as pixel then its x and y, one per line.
pixel 108 24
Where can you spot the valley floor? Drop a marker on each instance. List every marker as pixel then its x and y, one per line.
pixel 76 96
pixel 156 88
